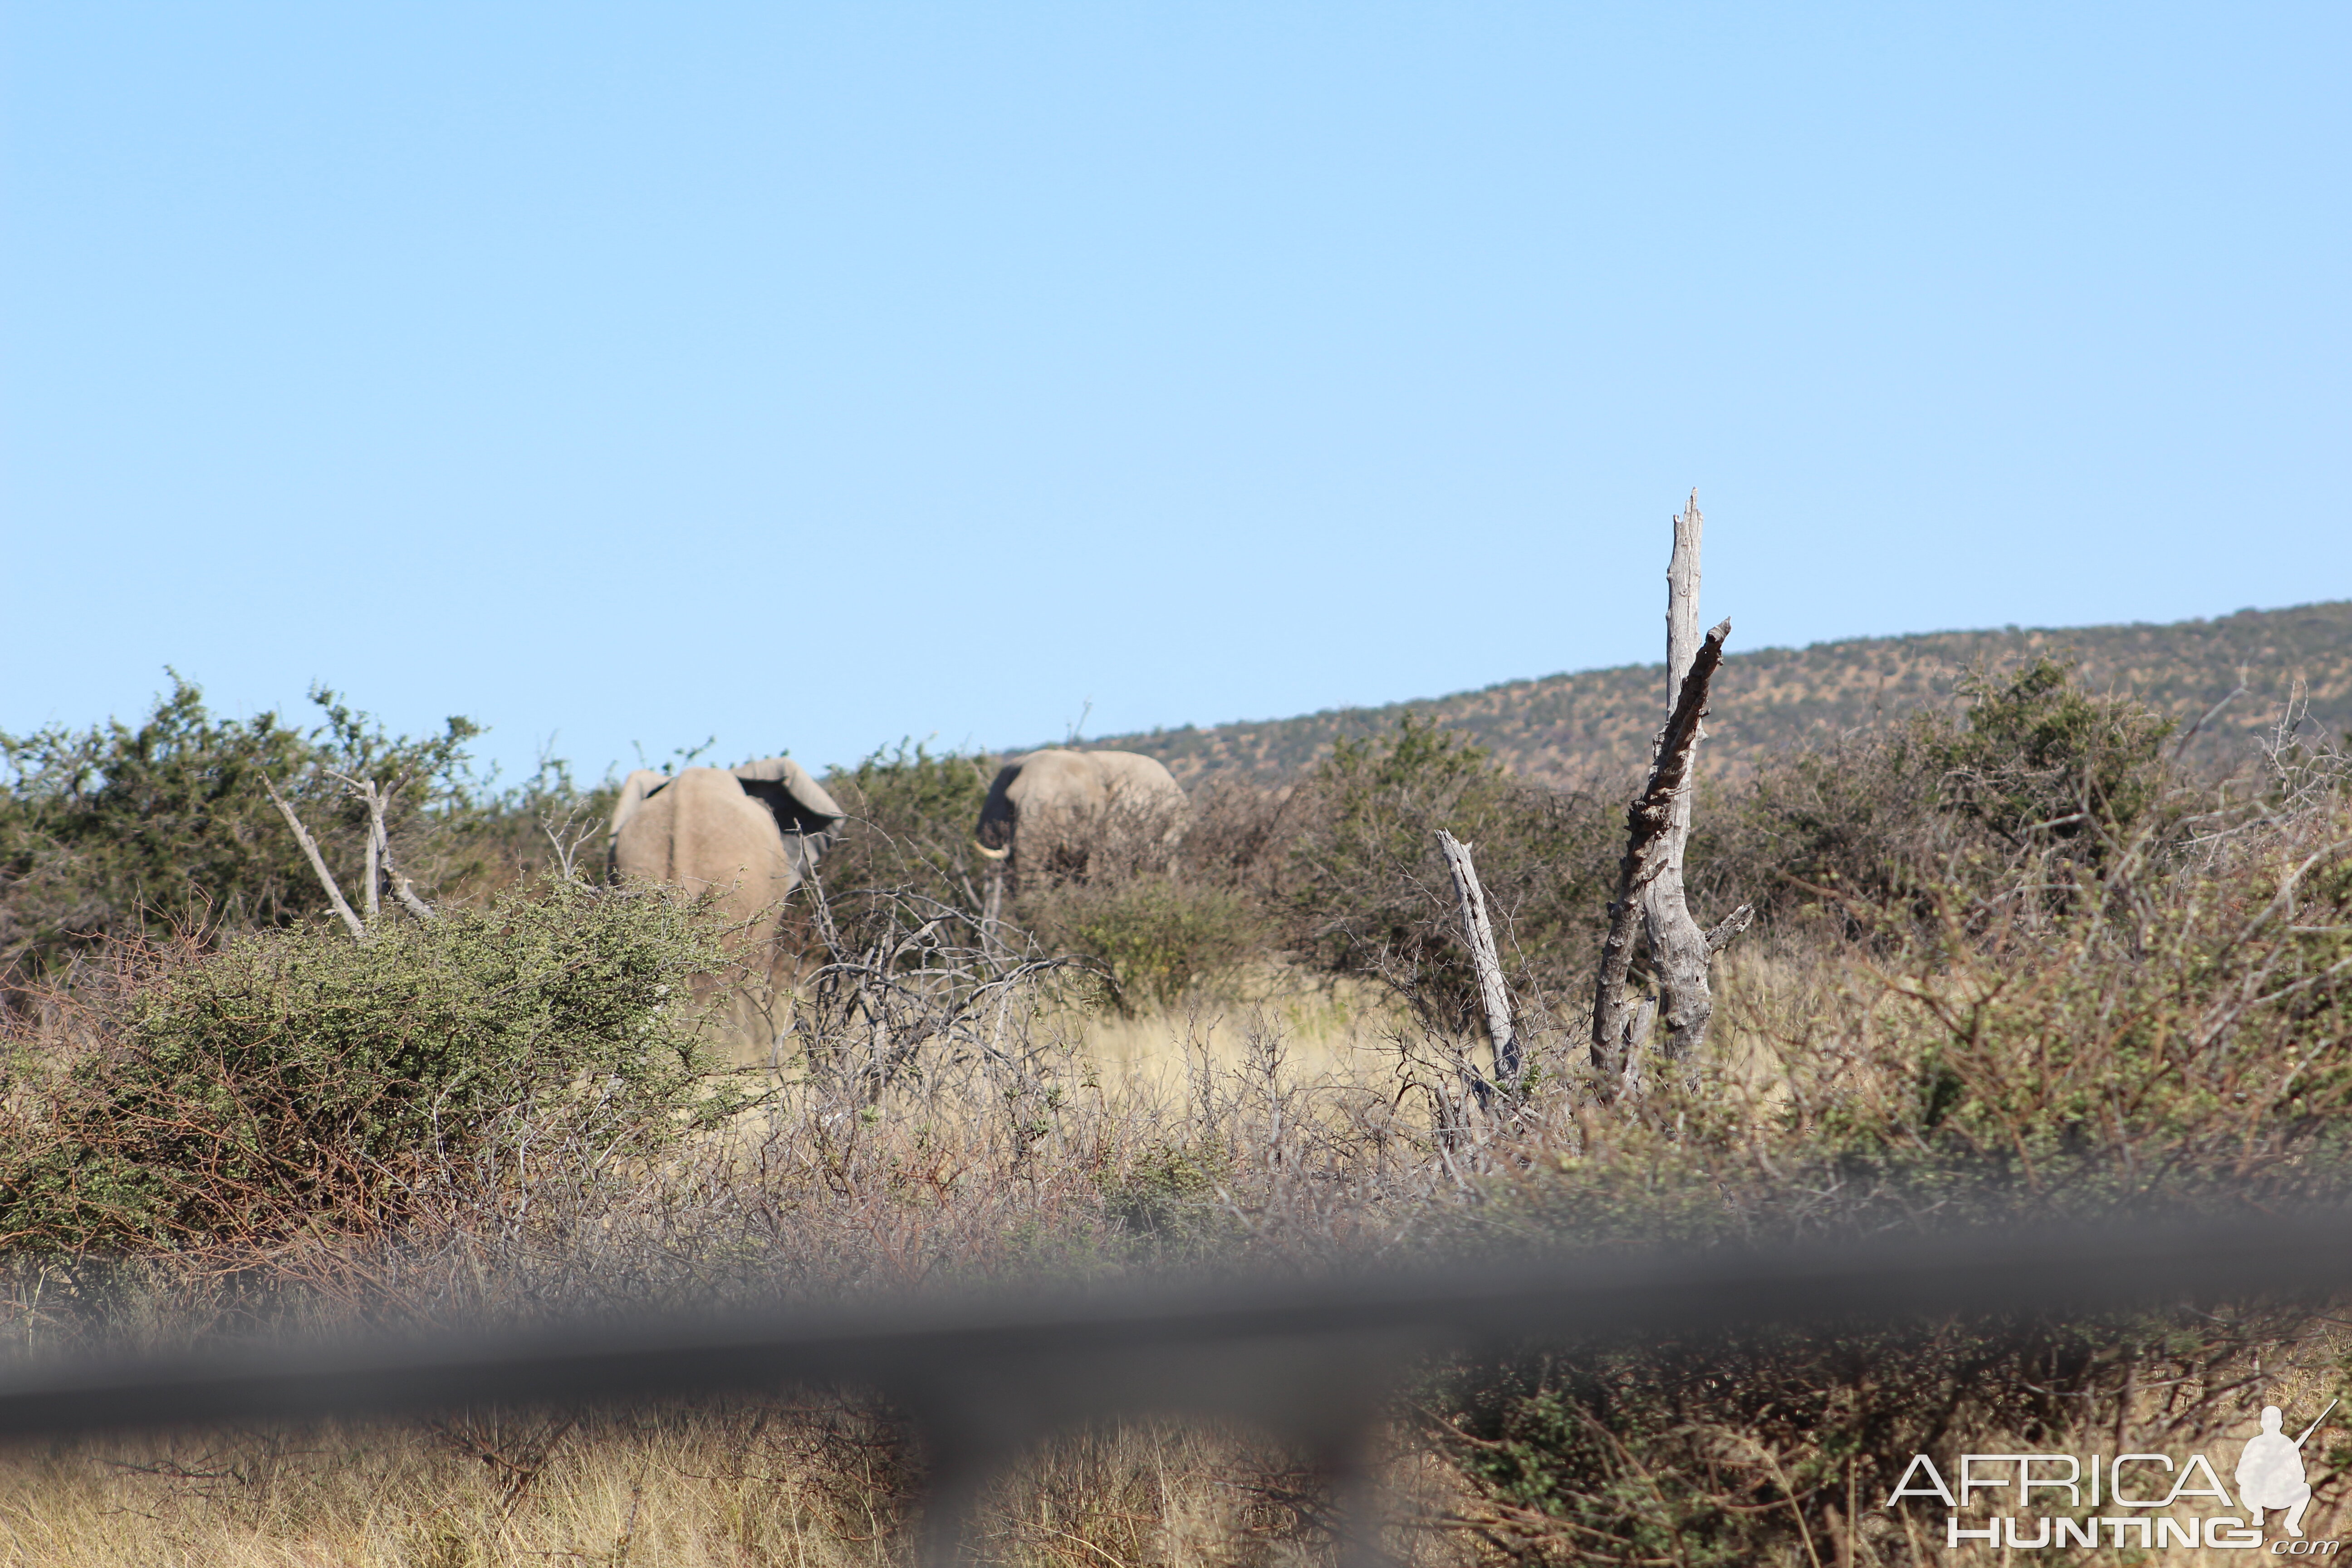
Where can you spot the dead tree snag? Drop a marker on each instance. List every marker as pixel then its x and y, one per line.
pixel 1484 955
pixel 1678 950
pixel 1649 824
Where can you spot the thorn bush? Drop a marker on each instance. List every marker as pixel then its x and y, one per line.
pixel 118 832
pixel 293 1079
pixel 1150 939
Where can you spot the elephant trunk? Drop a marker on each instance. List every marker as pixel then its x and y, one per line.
pixel 992 833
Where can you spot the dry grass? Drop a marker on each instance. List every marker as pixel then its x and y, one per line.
pixel 815 1486
pixel 712 1489
pixel 1343 1032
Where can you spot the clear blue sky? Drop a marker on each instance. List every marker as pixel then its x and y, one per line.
pixel 816 375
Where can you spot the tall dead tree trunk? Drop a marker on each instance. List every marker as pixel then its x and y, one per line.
pixel 1649 823
pixel 1509 1069
pixel 1678 950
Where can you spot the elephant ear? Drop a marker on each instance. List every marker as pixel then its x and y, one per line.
pixel 636 790
pixel 802 807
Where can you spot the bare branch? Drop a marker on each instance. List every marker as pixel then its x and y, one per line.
pixel 317 863
pixel 2210 714
pixel 1682 647
pixel 1509 1066
pixel 379 842
pixel 567 835
pixel 406 893
pixel 1730 926
pixel 376 800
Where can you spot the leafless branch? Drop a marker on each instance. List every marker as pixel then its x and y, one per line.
pixel 567 834
pixel 1496 997
pixel 375 840
pixel 1681 601
pixel 1721 935
pixel 404 891
pixel 379 867
pixel 2209 714
pixel 317 863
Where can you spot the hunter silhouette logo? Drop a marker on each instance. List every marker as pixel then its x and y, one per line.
pixel 2269 1472
pixel 2125 1500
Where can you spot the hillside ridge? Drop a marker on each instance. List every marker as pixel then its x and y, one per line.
pixel 1597 723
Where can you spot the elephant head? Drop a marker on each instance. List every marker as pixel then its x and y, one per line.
pixel 1058 814
pixel 753 831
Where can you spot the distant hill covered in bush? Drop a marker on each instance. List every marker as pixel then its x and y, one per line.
pixel 1599 722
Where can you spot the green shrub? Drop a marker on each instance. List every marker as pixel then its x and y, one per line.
pixel 294 1079
pixel 1368 892
pixel 115 832
pixel 1150 939
pixel 912 813
pixel 2038 754
pixel 1172 1198
pixel 2035 769
pixel 1859 818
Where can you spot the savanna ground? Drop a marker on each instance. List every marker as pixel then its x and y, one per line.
pixel 2013 962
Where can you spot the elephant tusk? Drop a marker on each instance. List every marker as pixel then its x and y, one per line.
pixel 992 854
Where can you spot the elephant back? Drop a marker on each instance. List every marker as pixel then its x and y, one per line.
pixel 1058 813
pixel 1145 782
pixel 700 831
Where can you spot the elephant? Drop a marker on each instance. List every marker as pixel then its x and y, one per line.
pixel 752 831
pixel 1058 814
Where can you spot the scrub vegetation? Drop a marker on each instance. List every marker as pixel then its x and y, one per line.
pixel 2015 959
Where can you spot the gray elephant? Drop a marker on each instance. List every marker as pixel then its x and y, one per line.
pixel 1059 814
pixel 752 831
